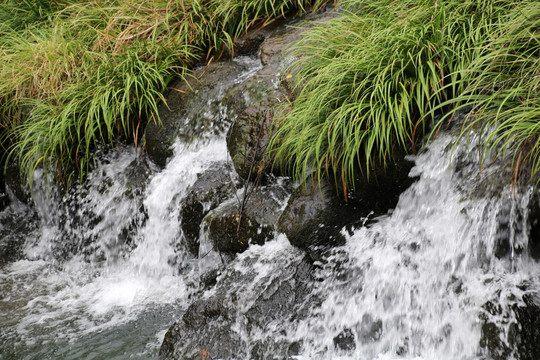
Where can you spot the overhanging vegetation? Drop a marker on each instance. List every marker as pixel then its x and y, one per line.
pixel 373 81
pixel 78 73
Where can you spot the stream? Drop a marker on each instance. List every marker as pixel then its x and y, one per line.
pixel 103 275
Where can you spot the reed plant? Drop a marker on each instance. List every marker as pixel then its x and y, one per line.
pixel 83 73
pixel 371 83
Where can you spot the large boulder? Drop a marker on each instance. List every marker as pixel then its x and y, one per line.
pixel 211 188
pixel 237 319
pixel 319 209
pixel 181 115
pixel 241 222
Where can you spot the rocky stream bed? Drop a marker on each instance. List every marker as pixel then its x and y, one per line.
pixel 198 248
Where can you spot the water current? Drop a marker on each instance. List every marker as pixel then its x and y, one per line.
pixel 103 276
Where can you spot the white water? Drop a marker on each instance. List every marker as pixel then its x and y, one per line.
pixel 80 281
pixel 411 286
pixel 72 299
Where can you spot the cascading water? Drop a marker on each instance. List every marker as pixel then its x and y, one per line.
pixel 100 279
pixel 104 276
pixel 418 282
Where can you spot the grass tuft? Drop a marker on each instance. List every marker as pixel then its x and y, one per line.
pixel 371 83
pixel 80 73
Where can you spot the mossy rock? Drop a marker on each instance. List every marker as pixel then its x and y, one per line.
pixel 247 143
pixel 232 230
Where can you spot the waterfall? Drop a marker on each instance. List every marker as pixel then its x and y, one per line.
pixel 104 273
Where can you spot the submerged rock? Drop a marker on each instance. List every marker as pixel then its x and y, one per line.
pixel 345 340
pixel 236 320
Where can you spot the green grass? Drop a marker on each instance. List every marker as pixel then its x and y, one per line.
pixel 504 93
pixel 76 74
pixel 370 83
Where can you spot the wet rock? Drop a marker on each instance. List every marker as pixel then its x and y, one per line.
pixel 257 97
pixel 16 183
pixel 512 332
pixel 100 218
pixel 381 191
pixel 209 278
pixel 137 174
pixel 276 47
pixel 247 142
pixel 315 215
pixel 318 211
pixel 17 223
pixel 233 234
pixel 249 43
pixel 4 199
pixel 232 230
pixel 533 224
pixel 345 340
pixel 182 117
pixel 223 325
pixel 211 188
pixel 260 90
pixel 527 333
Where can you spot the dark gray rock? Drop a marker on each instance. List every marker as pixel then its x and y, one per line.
pixel 211 188
pixel 533 224
pixel 17 223
pixel 16 183
pixel 223 325
pixel 515 336
pixel 315 215
pixel 182 117
pixel 137 174
pixel 345 340
pixel 317 211
pixel 233 234
pixel 247 142
pixel 233 227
